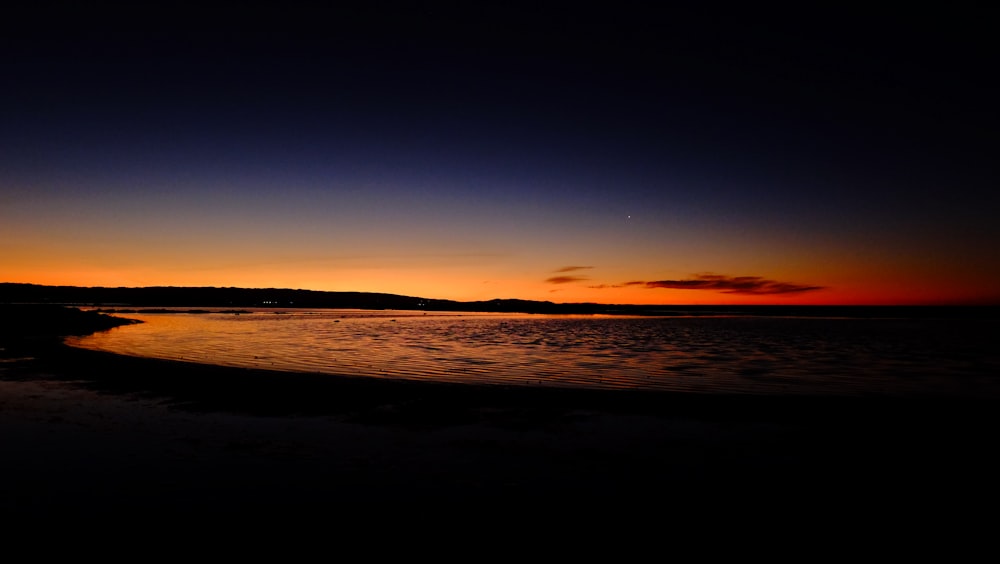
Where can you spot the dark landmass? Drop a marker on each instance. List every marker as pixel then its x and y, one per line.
pixel 203 297
pixel 22 322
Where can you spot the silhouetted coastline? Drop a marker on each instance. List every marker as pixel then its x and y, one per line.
pixel 234 298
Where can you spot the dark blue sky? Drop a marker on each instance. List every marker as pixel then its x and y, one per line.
pixel 746 141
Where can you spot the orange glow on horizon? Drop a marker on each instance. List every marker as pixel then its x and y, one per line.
pixel 470 288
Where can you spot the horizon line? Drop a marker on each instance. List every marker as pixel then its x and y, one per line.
pixel 602 304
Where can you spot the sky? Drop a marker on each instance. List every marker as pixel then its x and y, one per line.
pixel 618 154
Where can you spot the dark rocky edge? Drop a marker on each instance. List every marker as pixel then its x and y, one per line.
pixel 26 322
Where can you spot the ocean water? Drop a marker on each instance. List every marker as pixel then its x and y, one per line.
pixel 704 353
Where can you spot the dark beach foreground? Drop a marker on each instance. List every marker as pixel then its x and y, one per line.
pixel 87 433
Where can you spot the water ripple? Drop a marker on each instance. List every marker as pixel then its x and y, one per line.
pixel 724 354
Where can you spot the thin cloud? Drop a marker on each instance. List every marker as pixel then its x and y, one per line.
pixel 751 285
pixel 568 279
pixel 623 285
pixel 565 279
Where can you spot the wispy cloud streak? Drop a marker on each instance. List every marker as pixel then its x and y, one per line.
pixel 565 279
pixel 751 285
pixel 568 279
pixel 748 285
pixel 745 285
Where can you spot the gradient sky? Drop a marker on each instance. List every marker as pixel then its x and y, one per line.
pixel 617 156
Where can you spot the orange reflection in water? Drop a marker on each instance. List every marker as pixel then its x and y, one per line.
pixel 707 354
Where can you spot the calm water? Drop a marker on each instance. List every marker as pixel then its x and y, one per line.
pixel 710 354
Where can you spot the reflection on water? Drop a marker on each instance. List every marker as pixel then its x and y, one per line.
pixel 710 354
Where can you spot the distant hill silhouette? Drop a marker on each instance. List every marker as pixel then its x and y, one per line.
pixel 172 296
pixel 212 297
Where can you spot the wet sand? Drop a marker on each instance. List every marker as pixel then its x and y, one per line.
pixel 88 433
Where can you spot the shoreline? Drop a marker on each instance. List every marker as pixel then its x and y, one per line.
pixel 95 431
pixel 201 387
